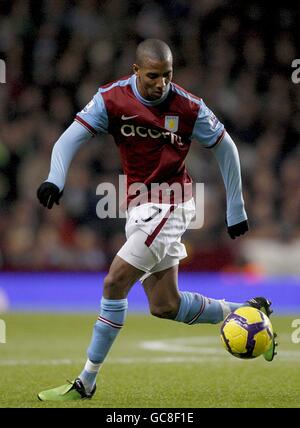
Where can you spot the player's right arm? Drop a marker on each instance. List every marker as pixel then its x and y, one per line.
pixel 90 121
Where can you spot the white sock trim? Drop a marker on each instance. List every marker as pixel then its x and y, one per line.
pixel 91 367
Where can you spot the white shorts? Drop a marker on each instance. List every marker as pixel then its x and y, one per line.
pixel 153 233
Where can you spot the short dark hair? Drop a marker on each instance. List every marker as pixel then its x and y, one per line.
pixel 153 48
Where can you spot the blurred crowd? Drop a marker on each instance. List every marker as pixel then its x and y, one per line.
pixel 235 55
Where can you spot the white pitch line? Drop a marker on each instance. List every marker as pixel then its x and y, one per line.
pixel 54 362
pixel 205 349
pixel 284 357
pixel 134 360
pixel 198 346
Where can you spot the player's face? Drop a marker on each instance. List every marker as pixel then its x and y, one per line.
pixel 153 77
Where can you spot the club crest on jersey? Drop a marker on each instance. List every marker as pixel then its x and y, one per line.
pixel 171 123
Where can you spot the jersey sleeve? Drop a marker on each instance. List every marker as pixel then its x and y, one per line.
pixel 63 152
pixel 227 156
pixel 94 116
pixel 208 130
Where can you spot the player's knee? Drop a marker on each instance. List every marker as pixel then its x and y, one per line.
pixel 114 283
pixel 167 311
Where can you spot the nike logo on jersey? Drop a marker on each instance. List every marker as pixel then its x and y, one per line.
pixel 123 117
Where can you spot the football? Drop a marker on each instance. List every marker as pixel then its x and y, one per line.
pixel 246 333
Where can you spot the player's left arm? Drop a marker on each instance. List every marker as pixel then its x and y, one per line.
pixel 227 156
pixel 210 132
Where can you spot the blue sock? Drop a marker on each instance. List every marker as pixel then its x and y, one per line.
pixel 106 329
pixel 195 308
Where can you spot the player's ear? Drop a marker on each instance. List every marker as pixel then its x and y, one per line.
pixel 135 69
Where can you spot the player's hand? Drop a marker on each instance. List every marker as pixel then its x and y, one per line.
pixel 48 193
pixel 238 229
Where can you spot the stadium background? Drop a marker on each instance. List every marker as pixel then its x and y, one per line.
pixel 237 56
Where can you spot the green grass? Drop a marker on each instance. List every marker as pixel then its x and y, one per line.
pixel 188 368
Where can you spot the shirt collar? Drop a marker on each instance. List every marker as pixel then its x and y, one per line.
pixel 142 99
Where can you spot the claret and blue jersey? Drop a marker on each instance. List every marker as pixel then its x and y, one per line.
pixel 154 137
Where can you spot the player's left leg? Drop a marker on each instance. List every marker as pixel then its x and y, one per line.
pixel 162 292
pixel 166 301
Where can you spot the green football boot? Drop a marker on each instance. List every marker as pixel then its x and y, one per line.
pixel 264 305
pixel 69 392
pixel 271 352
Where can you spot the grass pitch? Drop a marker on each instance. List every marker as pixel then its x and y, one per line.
pixel 153 363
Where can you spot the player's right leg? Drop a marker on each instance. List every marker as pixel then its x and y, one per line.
pixel 113 309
